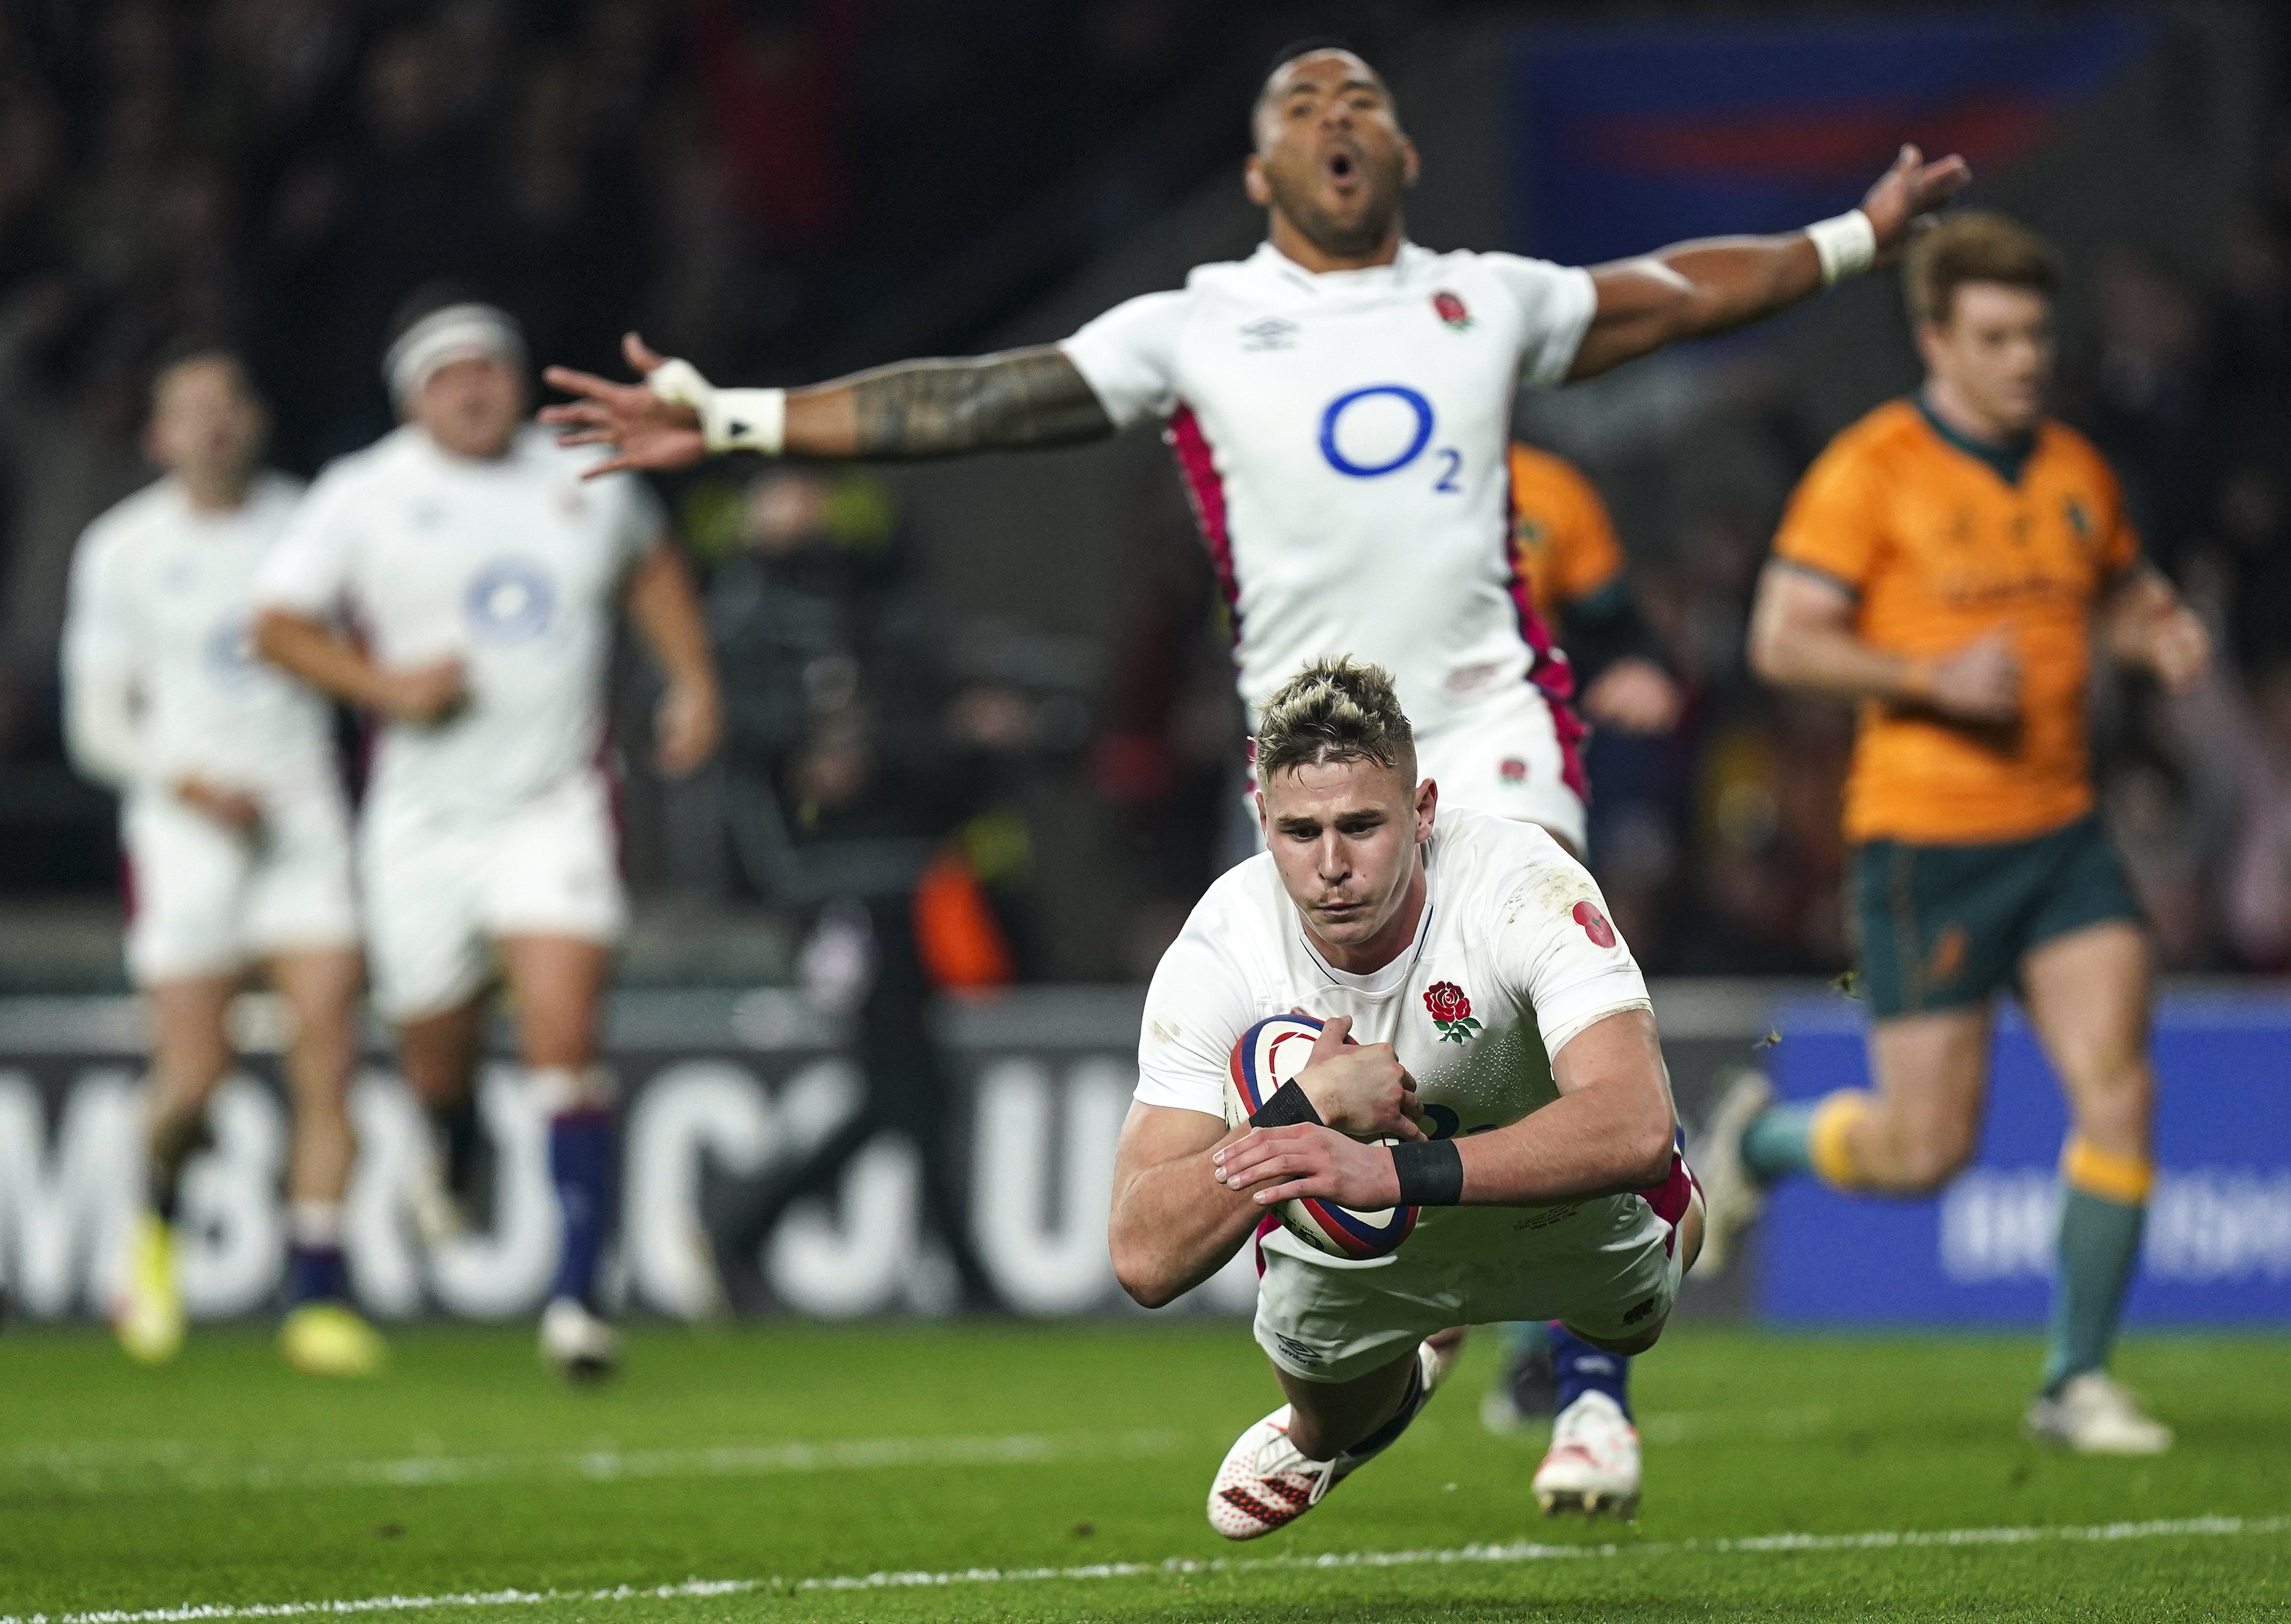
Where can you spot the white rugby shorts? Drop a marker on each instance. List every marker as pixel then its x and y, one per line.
pixel 1608 1268
pixel 206 900
pixel 440 888
pixel 1503 758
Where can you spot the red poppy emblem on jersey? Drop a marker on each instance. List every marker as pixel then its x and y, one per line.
pixel 1512 769
pixel 1451 309
pixel 1451 1011
pixel 1595 924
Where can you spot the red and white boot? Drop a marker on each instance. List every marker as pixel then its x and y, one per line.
pixel 1267 1482
pixel 1592 1465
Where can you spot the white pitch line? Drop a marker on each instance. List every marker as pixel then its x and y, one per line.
pixel 94 1468
pixel 1518 1551
pixel 173 1466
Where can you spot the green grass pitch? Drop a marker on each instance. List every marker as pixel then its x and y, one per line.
pixel 1004 1472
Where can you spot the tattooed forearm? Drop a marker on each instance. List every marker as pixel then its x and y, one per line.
pixel 1007 402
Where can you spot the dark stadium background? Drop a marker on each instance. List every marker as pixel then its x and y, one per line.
pixel 780 191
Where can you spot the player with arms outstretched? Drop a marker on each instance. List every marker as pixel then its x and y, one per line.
pixel 485 575
pixel 237 838
pixel 1340 404
pixel 1946 562
pixel 1508 1044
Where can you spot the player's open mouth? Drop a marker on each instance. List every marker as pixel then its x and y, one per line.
pixel 1343 167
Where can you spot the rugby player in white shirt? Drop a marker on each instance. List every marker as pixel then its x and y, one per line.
pixel 238 840
pixel 1493 1007
pixel 1339 404
pixel 483 576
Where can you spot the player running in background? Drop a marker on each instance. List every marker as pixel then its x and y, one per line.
pixel 1564 546
pixel 483 576
pixel 1339 404
pixel 1946 562
pixel 1499 1009
pixel 237 835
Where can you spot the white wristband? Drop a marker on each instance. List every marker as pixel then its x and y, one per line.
pixel 1847 244
pixel 730 419
pixel 748 420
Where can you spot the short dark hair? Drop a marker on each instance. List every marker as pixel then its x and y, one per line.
pixel 1335 710
pixel 1978 245
pixel 184 349
pixel 1312 44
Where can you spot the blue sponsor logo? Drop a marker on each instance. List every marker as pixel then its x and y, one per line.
pixel 230 651
pixel 1332 421
pixel 510 600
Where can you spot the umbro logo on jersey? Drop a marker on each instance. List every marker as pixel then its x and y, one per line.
pixel 1273 332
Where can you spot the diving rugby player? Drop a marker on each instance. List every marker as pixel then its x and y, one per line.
pixel 1340 404
pixel 1947 562
pixel 485 577
pixel 237 834
pixel 1500 1011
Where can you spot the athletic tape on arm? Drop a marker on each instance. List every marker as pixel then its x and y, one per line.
pixel 731 419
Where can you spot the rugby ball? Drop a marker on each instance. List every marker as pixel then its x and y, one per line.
pixel 1269 1054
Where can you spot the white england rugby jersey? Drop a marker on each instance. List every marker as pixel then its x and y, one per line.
pixel 514 567
pixel 1513 957
pixel 162 608
pixel 1344 438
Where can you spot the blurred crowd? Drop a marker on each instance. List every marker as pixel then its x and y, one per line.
pixel 755 182
pixel 759 184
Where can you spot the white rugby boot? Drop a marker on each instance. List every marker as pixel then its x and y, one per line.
pixel 1593 1464
pixel 2093 1415
pixel 1267 1482
pixel 578 1345
pixel 1732 1199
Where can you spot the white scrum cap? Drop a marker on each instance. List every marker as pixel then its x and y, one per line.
pixel 455 334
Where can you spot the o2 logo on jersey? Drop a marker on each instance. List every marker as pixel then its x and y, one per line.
pixel 230 652
pixel 510 600
pixel 1380 430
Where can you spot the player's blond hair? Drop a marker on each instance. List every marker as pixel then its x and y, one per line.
pixel 1979 245
pixel 1338 710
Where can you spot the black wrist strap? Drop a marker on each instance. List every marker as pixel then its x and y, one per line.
pixel 1431 1172
pixel 1289 1105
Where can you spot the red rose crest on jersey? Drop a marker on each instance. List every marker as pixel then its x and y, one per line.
pixel 1451 309
pixel 1595 924
pixel 1511 769
pixel 1451 1011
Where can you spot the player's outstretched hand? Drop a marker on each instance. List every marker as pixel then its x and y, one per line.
pixel 1270 1164
pixel 423 694
pixel 686 727
pixel 1360 1089
pixel 644 430
pixel 1908 193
